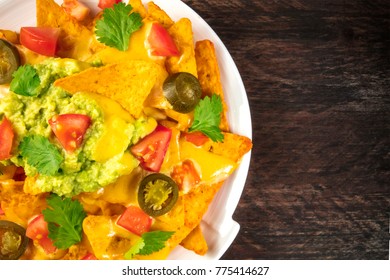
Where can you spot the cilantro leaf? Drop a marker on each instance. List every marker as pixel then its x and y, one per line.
pixel 207 116
pixel 65 218
pixel 25 81
pixel 135 249
pixel 149 243
pixel 41 154
pixel 117 25
pixel 154 241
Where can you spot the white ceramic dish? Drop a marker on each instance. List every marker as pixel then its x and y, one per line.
pixel 218 226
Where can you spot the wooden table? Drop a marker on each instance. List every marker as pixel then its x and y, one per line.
pixel 317 75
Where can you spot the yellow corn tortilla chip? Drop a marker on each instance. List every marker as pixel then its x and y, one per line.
pixel 98 230
pixel 76 252
pixel 75 40
pixel 18 205
pixel 196 203
pixel 181 33
pixel 195 241
pixel 128 83
pixel 157 14
pixel 233 147
pixel 174 219
pixel 209 75
pixel 138 7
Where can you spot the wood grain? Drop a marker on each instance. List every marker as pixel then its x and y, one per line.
pixel 317 75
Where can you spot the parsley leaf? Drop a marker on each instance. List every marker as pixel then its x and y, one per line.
pixel 65 218
pixel 149 243
pixel 25 81
pixel 117 25
pixel 41 154
pixel 207 116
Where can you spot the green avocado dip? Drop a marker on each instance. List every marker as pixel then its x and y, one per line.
pixel 89 167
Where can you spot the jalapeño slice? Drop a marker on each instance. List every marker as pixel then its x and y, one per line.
pixel 183 91
pixel 13 240
pixel 157 194
pixel 9 61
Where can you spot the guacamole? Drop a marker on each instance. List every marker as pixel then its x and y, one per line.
pixel 103 155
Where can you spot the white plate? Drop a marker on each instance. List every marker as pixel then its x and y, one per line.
pixel 218 226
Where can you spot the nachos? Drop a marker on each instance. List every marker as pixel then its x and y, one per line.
pixel 114 134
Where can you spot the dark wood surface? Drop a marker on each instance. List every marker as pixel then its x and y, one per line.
pixel 317 75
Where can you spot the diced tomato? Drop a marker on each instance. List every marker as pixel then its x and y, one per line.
pixel 197 138
pixel 70 129
pixel 135 220
pixel 160 42
pixel 151 150
pixel 185 175
pixel 47 245
pixel 89 256
pixel 6 139
pixel 37 230
pixel 42 40
pixel 75 9
pixel 107 3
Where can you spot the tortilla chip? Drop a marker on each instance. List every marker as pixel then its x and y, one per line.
pixel 196 242
pixel 182 35
pixel 17 205
pixel 233 147
pixel 157 14
pixel 75 40
pixel 138 7
pixel 209 75
pixel 76 252
pixel 128 83
pixel 98 230
pixel 174 219
pixel 197 201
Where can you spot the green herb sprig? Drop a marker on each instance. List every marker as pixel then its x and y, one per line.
pixel 207 117
pixel 149 243
pixel 25 81
pixel 117 25
pixel 65 218
pixel 41 154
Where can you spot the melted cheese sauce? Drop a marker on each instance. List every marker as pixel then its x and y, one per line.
pixel 213 168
